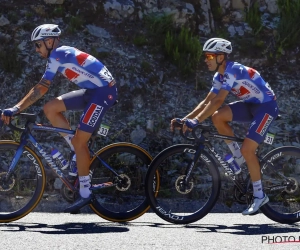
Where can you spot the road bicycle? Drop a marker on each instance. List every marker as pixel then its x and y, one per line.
pixel 189 179
pixel 117 175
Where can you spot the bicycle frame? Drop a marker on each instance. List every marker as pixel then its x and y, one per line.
pixel 203 143
pixel 26 137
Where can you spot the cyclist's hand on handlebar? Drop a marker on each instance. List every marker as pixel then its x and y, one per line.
pixel 176 121
pixel 8 113
pixel 189 124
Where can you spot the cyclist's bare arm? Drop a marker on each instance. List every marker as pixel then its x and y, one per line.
pixel 201 106
pixel 34 94
pixel 213 105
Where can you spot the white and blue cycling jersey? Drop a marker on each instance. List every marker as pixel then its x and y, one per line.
pixel 244 82
pixel 79 67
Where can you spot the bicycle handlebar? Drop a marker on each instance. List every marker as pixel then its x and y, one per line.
pixel 29 117
pixel 205 130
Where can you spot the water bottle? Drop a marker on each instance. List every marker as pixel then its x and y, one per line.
pixel 232 164
pixel 59 159
pixel 73 167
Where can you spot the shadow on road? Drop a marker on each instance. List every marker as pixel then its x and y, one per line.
pixel 238 229
pixel 67 228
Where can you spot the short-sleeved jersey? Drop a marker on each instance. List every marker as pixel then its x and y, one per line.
pixel 244 82
pixel 79 67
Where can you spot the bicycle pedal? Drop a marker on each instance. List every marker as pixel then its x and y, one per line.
pixel 102 185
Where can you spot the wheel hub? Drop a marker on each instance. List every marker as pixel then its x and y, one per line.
pixel 124 183
pixel 181 185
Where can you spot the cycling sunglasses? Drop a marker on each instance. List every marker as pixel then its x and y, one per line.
pixel 38 45
pixel 211 56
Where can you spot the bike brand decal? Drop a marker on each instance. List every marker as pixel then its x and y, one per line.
pixel 276 188
pixel 222 162
pixel 205 158
pixel 191 151
pixel 37 167
pixel 92 115
pixel 48 159
pixel 264 124
pixel 274 157
pixel 171 216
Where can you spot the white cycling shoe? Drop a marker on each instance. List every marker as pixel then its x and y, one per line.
pixel 256 204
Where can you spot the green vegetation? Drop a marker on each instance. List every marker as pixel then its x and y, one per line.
pixel 181 47
pixel 253 18
pixel 288 29
pixel 139 40
pixel 75 23
pixel 184 50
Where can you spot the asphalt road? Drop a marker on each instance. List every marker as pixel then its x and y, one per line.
pixel 88 231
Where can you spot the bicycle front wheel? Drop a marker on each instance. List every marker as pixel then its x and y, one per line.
pixel 19 194
pixel 176 201
pixel 122 201
pixel 281 180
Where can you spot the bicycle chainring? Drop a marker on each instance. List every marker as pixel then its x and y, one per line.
pixel 123 183
pixel 239 196
pixel 181 186
pixel 6 185
pixel 67 194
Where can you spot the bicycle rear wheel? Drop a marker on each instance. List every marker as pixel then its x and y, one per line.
pixel 174 202
pixel 281 180
pixel 126 201
pixel 22 192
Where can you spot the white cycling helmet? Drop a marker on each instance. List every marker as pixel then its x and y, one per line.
pixel 217 45
pixel 45 30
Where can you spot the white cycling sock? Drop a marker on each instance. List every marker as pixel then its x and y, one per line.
pixel 235 149
pixel 257 189
pixel 85 184
pixel 68 139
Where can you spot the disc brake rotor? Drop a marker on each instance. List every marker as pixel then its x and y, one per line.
pixel 6 185
pixel 291 188
pixel 124 183
pixel 181 187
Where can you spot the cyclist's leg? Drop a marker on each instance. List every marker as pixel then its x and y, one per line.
pixel 70 101
pixel 264 115
pixel 236 111
pixel 100 100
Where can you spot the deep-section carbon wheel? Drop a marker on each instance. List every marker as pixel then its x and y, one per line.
pixel 177 200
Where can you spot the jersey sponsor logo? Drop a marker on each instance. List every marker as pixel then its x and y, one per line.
pixel 71 75
pixel 82 72
pixel 252 87
pixel 92 114
pixel 264 124
pixel 241 92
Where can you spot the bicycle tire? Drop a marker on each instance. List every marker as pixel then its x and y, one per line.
pixel 284 200
pixel 173 204
pixel 112 203
pixel 25 189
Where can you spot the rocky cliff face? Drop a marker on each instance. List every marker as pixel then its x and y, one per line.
pixel 151 89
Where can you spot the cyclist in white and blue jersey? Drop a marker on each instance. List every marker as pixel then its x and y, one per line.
pixel 257 105
pixel 96 95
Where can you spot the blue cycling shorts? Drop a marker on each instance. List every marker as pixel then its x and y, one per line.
pixel 93 102
pixel 259 115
